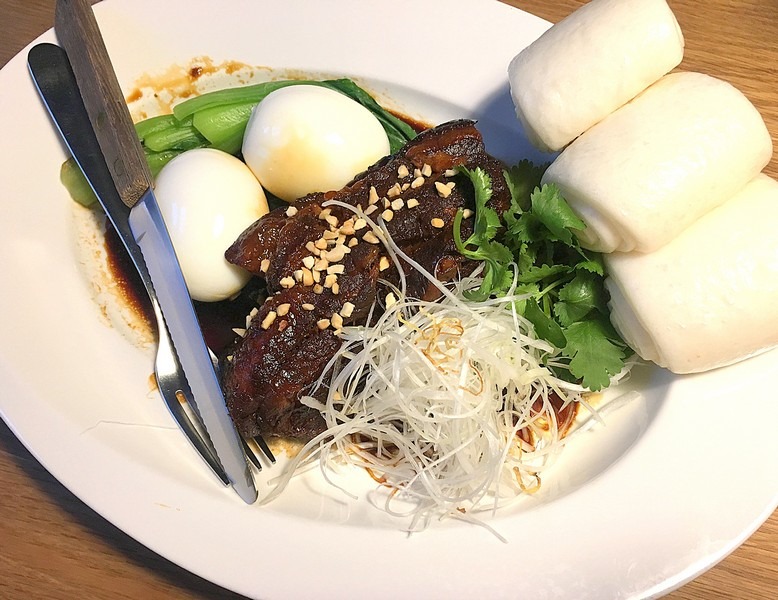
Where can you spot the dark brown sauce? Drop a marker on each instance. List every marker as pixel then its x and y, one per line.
pixel 126 277
pixel 417 126
pixel 217 319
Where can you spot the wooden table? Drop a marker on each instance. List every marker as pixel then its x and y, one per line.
pixel 53 546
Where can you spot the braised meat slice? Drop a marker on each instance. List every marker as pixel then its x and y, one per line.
pixel 281 354
pixel 441 149
pixel 287 345
pixel 326 266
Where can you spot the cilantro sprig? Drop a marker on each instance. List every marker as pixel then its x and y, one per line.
pixel 481 245
pixel 535 241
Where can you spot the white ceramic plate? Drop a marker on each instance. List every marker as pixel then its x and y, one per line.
pixel 672 484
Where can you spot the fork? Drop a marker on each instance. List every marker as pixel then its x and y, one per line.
pixel 175 392
pixel 50 68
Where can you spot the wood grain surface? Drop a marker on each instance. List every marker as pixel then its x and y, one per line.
pixel 52 546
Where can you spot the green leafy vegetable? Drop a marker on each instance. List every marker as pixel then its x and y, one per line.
pixel 535 239
pixel 230 108
pixel 224 126
pixel 157 160
pixel 555 214
pixel 218 119
pixel 181 138
pixel 544 324
pixel 154 125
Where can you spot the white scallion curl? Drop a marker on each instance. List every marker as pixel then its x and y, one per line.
pixel 430 400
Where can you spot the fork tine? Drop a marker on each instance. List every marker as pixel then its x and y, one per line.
pixel 251 454
pixel 175 393
pixel 249 445
pixel 191 431
pixel 259 441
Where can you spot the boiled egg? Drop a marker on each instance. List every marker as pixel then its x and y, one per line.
pixel 305 138
pixel 208 198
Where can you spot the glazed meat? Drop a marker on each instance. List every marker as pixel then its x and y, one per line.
pixel 326 267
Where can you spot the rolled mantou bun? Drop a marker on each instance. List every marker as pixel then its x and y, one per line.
pixel 589 64
pixel 649 170
pixel 709 298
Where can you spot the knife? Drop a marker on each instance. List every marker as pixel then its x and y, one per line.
pixel 50 69
pixel 79 34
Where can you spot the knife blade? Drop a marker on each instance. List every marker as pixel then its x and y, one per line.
pixel 79 34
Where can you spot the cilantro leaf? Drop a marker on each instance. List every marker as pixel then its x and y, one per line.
pixel 522 179
pixel 552 210
pixel 536 273
pixel 592 265
pixel 567 300
pixel 487 221
pixel 525 257
pixel 497 275
pixel 579 297
pixel 545 327
pixel 595 358
pixel 526 228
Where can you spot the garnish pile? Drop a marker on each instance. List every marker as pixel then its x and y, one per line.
pixel 533 246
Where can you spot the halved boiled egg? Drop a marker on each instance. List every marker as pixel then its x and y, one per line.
pixel 305 138
pixel 208 198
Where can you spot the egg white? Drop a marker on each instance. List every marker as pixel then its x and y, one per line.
pixel 208 198
pixel 305 138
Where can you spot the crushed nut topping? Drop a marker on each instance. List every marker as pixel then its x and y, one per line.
pixel 394 191
pixel 337 321
pixel 444 189
pixel 371 238
pixel 269 319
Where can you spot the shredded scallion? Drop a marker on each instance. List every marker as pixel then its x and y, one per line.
pixel 450 405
